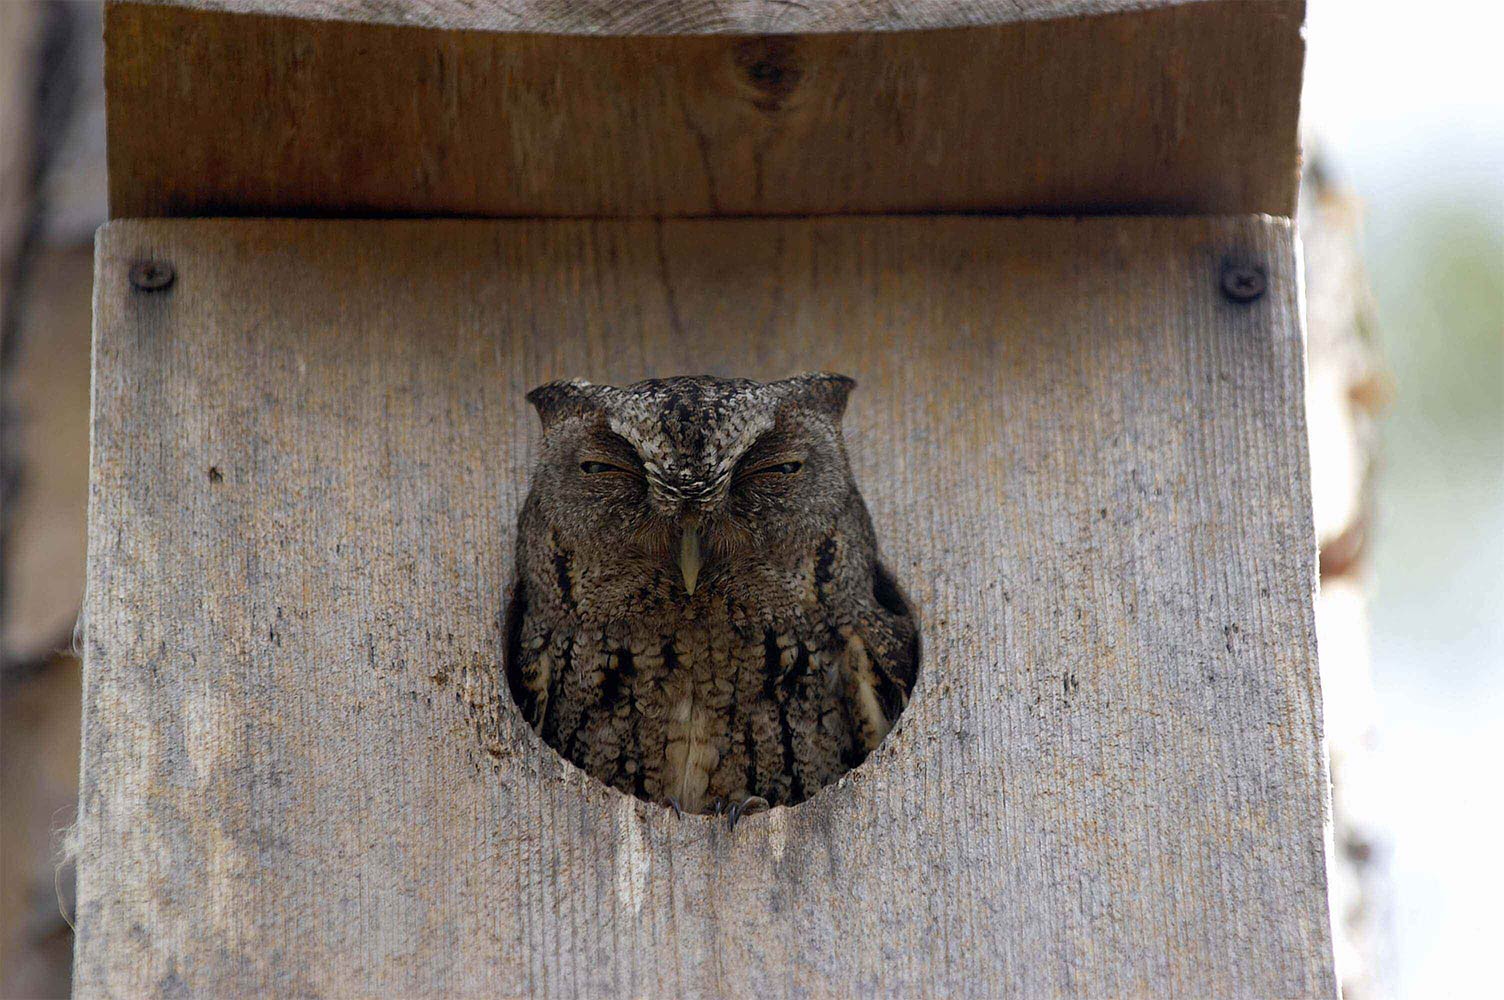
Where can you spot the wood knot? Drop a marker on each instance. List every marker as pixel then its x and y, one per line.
pixel 771 67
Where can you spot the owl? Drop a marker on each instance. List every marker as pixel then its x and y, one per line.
pixel 700 617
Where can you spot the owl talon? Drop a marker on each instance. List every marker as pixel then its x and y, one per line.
pixel 751 804
pixel 673 804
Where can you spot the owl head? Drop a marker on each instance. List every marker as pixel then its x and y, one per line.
pixel 686 478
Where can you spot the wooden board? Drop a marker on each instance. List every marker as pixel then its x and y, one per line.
pixel 1087 466
pixel 673 17
pixel 1040 107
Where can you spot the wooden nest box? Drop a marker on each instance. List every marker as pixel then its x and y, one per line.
pixel 1052 241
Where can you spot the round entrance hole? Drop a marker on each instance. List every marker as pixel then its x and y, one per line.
pixel 700 617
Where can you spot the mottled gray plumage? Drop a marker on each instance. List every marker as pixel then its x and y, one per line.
pixel 699 613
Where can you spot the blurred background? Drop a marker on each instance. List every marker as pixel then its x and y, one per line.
pixel 1402 218
pixel 1406 106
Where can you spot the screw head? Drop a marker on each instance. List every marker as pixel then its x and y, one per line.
pixel 1243 282
pixel 152 275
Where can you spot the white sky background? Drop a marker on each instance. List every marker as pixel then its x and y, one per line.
pixel 1390 84
pixel 1406 99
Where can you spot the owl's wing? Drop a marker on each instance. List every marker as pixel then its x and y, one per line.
pixel 881 660
pixel 529 662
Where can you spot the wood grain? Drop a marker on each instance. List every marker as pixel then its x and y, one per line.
pixel 674 17
pixel 1179 108
pixel 1087 464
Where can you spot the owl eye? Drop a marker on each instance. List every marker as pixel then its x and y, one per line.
pixel 595 468
pixel 779 469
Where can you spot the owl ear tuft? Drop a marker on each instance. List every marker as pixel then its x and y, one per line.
pixel 825 392
pixel 556 401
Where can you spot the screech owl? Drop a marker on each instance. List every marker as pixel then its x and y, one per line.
pixel 700 616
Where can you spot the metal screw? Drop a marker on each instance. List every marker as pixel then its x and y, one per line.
pixel 1243 282
pixel 152 275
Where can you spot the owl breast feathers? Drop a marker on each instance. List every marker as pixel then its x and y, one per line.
pixel 700 614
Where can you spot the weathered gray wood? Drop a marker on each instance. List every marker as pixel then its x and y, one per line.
pixel 1089 465
pixel 1056 106
pixel 674 17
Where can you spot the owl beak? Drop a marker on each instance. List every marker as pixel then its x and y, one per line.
pixel 690 560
